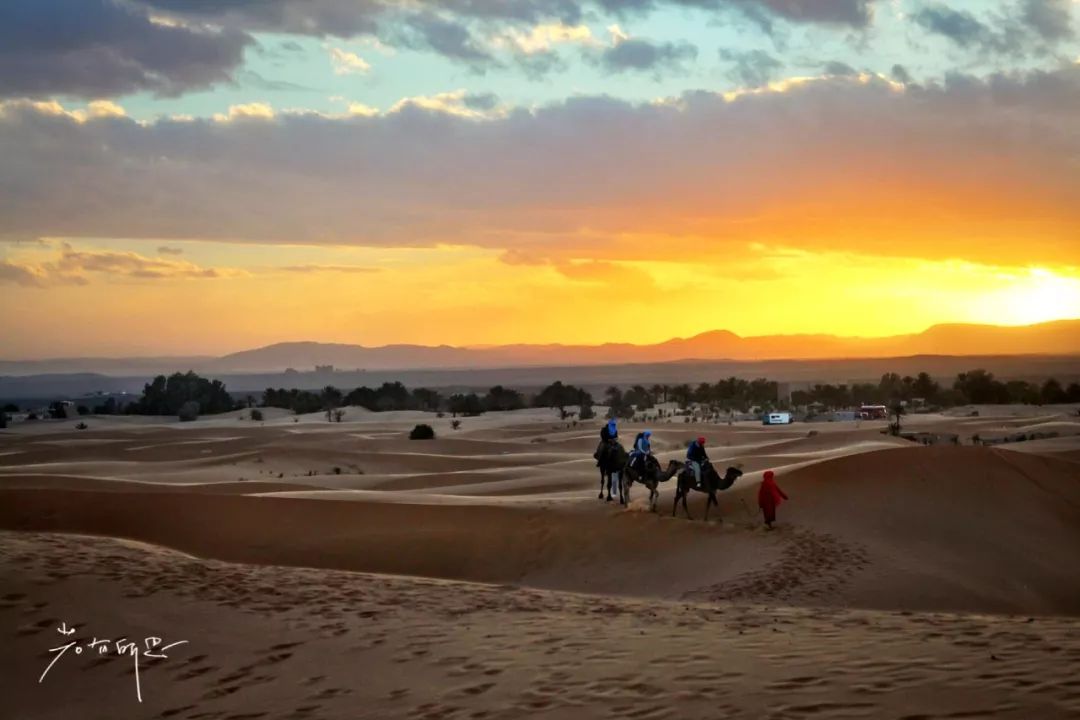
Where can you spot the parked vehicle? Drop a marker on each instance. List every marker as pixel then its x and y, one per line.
pixel 874 412
pixel 777 418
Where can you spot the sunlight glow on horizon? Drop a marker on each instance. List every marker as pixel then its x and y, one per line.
pixel 237 296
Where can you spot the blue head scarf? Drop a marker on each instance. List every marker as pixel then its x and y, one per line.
pixel 612 427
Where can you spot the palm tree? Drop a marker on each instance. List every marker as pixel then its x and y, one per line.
pixel 659 391
pixel 896 411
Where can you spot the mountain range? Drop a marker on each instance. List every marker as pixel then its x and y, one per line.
pixel 1052 338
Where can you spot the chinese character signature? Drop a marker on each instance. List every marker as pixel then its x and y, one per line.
pixel 151 647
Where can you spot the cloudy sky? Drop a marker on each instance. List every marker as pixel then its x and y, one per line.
pixel 202 177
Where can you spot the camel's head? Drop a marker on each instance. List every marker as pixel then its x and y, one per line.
pixel 675 466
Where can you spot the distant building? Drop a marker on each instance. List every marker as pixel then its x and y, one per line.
pixel 324 369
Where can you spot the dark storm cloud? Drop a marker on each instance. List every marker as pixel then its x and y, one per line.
pixel 753 68
pixel 646 56
pixel 96 48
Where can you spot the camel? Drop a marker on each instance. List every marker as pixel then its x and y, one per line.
pixel 613 459
pixel 711 482
pixel 651 477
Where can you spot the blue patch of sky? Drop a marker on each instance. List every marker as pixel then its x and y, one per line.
pixel 290 72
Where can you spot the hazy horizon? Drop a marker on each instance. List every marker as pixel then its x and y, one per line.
pixel 776 354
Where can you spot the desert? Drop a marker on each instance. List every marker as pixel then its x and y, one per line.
pixel 339 569
pixel 513 359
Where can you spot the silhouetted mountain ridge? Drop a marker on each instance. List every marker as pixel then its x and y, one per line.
pixel 1052 338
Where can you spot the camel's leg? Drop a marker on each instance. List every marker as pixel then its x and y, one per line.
pixel 612 478
pixel 684 506
pixel 708 504
pixel 601 495
pixel 675 507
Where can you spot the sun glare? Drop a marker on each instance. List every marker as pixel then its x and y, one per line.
pixel 1039 296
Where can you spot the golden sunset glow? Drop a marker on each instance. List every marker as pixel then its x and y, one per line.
pixel 236 296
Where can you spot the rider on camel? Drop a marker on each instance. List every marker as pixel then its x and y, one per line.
pixel 608 433
pixel 696 458
pixel 642 452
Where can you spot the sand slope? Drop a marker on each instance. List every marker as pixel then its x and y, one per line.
pixel 939 528
pixel 271 642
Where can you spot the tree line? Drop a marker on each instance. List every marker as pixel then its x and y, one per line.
pixel 975 387
pixel 189 395
pixel 392 396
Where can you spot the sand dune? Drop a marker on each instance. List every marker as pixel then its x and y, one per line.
pixel 940 528
pixel 273 642
pixel 677 617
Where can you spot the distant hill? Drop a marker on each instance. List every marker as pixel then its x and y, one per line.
pixel 1052 338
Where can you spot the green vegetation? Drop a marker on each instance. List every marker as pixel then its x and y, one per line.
pixel 977 387
pixel 167 395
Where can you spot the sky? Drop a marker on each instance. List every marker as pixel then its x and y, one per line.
pixel 203 177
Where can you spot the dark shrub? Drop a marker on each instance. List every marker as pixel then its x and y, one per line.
pixel 422 432
pixel 188 411
pixel 256 415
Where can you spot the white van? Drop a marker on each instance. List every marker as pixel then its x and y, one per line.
pixel 777 418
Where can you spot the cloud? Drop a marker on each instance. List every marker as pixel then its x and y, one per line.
pixel 1051 19
pixel 446 36
pixel 753 68
pixel 874 165
pixel 306 269
pixel 24 275
pixel 102 48
pixel 616 275
pixel 542 38
pixel 968 32
pixel 835 67
pixel 108 48
pixel 347 63
pixel 348 18
pixel 166 250
pixel 246 111
pixel 459 103
pixel 856 13
pixel 639 54
pixel 333 18
pixel 71 267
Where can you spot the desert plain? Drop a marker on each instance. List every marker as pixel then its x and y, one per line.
pixel 309 569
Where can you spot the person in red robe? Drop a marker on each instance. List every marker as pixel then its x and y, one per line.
pixel 769 496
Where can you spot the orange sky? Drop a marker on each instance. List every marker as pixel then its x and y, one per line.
pixel 461 295
pixel 849 203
